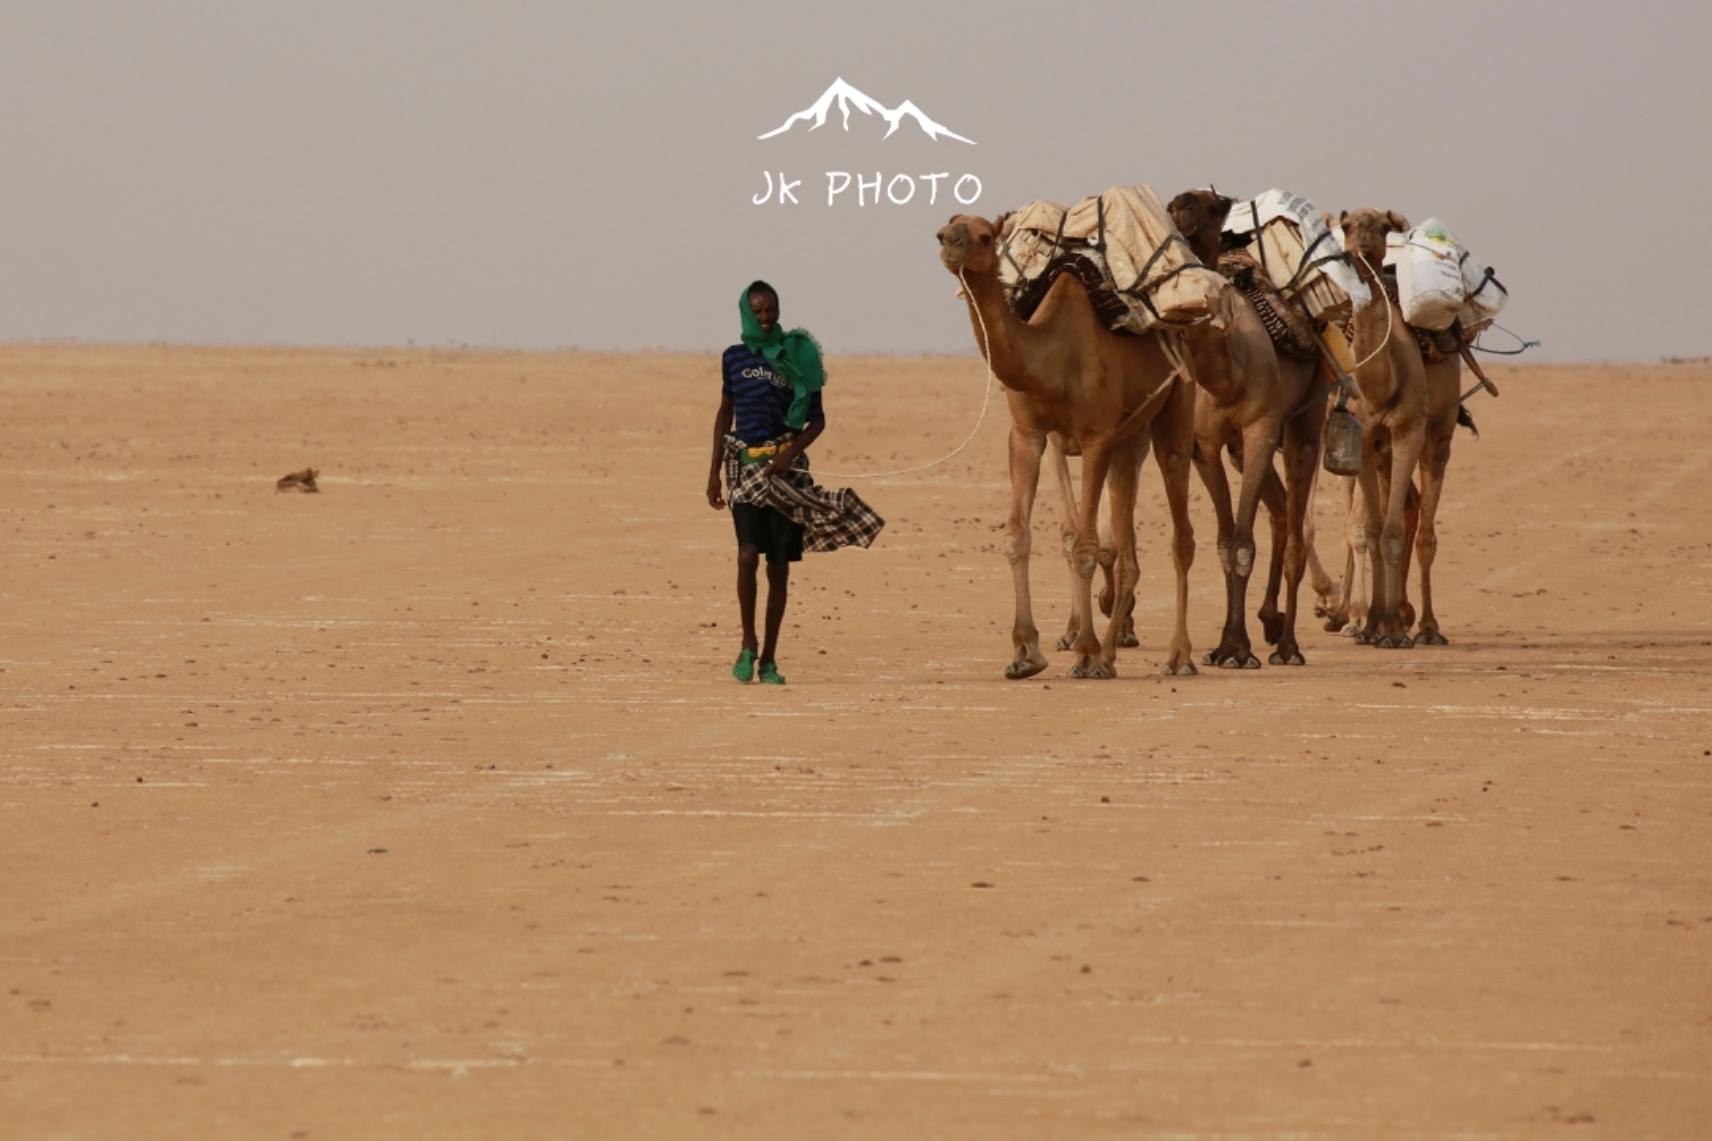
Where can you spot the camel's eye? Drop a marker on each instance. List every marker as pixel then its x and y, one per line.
pixel 986 239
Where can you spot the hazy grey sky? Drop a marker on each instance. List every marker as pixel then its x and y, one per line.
pixel 552 174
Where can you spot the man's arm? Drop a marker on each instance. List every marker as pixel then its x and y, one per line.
pixel 810 433
pixel 721 427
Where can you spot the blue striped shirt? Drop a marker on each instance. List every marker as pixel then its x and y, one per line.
pixel 760 396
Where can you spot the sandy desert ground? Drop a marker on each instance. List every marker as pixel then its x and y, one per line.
pixel 426 806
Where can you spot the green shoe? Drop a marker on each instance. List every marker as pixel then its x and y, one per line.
pixel 770 674
pixel 744 669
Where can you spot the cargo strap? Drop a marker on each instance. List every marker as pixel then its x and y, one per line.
pixel 1143 286
pixel 1293 339
pixel 1311 263
pixel 1027 290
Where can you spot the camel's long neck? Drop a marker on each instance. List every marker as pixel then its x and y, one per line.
pixel 1375 324
pixel 1009 344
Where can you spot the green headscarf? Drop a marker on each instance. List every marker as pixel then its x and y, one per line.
pixel 794 355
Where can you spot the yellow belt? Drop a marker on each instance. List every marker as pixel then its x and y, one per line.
pixel 766 451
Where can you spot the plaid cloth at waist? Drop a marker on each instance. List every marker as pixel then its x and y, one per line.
pixel 830 518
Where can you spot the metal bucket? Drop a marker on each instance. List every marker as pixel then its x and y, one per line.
pixel 1343 442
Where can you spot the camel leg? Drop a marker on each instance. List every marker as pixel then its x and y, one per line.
pixel 1132 453
pixel 1173 443
pixel 1434 459
pixel 1364 543
pixel 1108 550
pixel 1096 464
pixel 1301 458
pixel 1358 584
pixel 1260 440
pixel 1276 502
pixel 1387 630
pixel 1341 611
pixel 1025 451
pixel 1066 530
pixel 1121 487
pixel 1209 464
pixel 1411 525
pixel 1324 600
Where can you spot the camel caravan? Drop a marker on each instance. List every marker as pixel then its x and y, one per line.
pixel 1207 328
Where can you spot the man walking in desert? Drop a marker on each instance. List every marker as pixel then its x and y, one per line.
pixel 769 413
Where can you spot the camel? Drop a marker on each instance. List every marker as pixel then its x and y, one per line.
pixel 1249 396
pixel 1347 602
pixel 1065 372
pixel 1408 414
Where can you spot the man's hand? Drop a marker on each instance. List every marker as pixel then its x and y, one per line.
pixel 715 496
pixel 780 463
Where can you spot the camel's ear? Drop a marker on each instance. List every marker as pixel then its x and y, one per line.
pixel 999 222
pixel 1343 216
pixel 1231 240
pixel 1398 222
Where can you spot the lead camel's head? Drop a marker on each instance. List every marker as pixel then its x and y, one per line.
pixel 970 244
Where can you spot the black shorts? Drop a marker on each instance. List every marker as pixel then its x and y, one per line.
pixel 769 531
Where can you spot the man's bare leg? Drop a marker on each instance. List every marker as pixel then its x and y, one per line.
pixel 778 582
pixel 748 562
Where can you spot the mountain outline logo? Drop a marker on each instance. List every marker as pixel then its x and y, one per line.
pixel 847 97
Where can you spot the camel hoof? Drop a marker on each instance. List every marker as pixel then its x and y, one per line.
pixel 1357 633
pixel 1067 642
pixel 1431 638
pixel 1101 673
pixel 1335 624
pixel 1187 669
pixel 1272 628
pixel 1129 642
pixel 1292 657
pixel 1017 671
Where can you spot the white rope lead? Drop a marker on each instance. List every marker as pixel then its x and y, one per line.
pixel 986 399
pixel 1379 287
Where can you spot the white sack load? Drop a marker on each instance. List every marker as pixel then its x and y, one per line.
pixel 1127 236
pixel 1429 274
pixel 1301 256
pixel 1484 297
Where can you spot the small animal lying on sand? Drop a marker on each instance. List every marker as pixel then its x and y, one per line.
pixel 298 481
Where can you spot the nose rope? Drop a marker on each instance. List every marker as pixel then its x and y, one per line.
pixel 986 399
